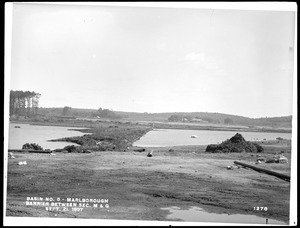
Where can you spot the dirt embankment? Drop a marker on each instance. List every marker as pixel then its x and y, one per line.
pixel 137 186
pixel 107 136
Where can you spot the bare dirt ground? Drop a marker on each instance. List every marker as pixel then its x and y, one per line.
pixel 137 186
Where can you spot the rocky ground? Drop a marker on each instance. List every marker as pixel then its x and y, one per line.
pixel 137 186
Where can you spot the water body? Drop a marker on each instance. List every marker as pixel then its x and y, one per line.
pixel 39 135
pixel 197 214
pixel 176 137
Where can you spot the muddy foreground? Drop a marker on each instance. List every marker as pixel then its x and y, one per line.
pixel 137 186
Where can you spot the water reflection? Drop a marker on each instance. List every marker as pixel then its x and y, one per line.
pixel 26 133
pixel 176 137
pixel 197 214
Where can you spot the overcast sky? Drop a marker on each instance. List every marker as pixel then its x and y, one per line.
pixel 155 59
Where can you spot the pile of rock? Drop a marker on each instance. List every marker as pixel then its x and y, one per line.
pixel 235 144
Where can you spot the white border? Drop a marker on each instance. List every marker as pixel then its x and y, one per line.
pixel 7 71
pixel 294 153
pixel 267 6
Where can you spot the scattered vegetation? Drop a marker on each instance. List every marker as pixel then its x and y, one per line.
pixel 32 146
pixel 105 137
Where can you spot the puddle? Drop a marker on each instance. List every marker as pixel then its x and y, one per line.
pixel 197 214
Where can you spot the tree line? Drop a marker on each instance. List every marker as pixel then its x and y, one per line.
pixel 105 113
pixel 189 118
pixel 23 102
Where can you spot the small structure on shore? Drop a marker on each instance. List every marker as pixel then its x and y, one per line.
pixel 237 143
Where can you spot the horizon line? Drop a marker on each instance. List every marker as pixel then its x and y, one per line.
pixel 145 112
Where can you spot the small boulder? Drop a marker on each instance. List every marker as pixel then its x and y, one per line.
pixel 280 158
pixel 22 163
pixel 271 160
pixel 261 159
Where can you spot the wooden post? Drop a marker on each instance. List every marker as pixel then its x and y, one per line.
pixel 279 175
pixel 150 153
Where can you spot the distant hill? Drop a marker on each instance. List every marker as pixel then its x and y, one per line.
pixel 213 118
pixel 207 117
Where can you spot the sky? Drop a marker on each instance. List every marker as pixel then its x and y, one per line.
pixel 145 59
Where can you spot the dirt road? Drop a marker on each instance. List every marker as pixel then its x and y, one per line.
pixel 136 187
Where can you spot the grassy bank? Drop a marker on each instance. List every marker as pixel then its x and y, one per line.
pixel 108 136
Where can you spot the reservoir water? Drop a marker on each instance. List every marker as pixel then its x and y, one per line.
pixel 176 137
pixel 197 214
pixel 25 133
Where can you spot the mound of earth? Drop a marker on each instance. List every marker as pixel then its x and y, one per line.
pixel 237 143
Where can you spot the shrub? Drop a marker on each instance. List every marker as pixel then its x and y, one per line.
pixel 32 146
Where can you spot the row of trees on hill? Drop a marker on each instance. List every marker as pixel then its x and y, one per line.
pixel 189 118
pixel 105 113
pixel 23 102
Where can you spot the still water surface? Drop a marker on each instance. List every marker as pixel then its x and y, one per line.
pixel 175 137
pixel 39 134
pixel 197 214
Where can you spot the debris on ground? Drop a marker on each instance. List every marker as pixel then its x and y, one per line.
pixel 280 158
pixel 150 153
pixel 237 143
pixel 261 159
pixel 22 163
pixel 11 155
pixel 86 151
pixel 236 166
pixel 271 160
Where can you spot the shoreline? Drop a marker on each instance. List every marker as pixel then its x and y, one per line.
pixel 157 126
pixel 109 135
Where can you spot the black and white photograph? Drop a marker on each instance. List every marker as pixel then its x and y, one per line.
pixel 143 113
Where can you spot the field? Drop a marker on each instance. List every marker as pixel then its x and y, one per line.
pixel 137 186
